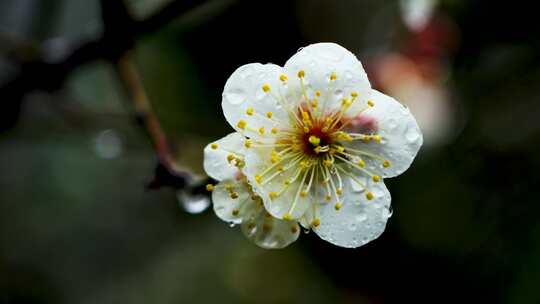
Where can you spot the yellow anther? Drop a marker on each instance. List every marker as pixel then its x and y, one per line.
pixel 315 222
pixel 280 168
pixel 314 103
pixel 306 129
pixel 273 195
pixel 248 143
pixel 235 212
pixel 317 149
pixel 314 140
pixel 328 197
pixel 209 187
pixel 266 87
pixel 234 195
pixel 214 146
pixel 339 191
pixel 318 93
pixel 230 157
pixel 258 178
pixel 275 158
pixel 354 94
pixel 269 114
pixel 287 182
pixel 327 163
pixel 240 163
pixel 301 74
pixel 328 121
pixel 376 138
pixel 344 136
pixel 305 115
pixel 386 164
pixel 333 76
pixel 249 111
pixel 305 164
pixel 229 187
pixel 303 193
pixel 376 178
pixel 261 130
pixel 346 102
pixel 340 149
pixel 274 131
pixel 287 217
pixel 337 206
pixel 283 77
pixel 369 196
pixel 370 103
pixel 241 124
pixel 361 163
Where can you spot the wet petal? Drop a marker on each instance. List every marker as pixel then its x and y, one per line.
pixel 217 163
pixel 231 200
pixel 320 62
pixel 358 221
pixel 247 106
pixel 268 232
pixel 401 137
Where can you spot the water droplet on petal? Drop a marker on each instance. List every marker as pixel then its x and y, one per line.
pixel 306 231
pixel 235 96
pixel 231 224
pixel 412 135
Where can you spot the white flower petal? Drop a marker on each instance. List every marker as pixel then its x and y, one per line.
pixel 359 220
pixel 231 208
pixel 216 164
pixel 245 102
pixel 289 201
pixel 267 231
pixel 401 136
pixel 319 61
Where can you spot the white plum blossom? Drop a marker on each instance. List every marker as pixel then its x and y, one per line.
pixel 236 203
pixel 316 142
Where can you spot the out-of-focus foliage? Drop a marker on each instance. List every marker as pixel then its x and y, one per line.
pixel 78 226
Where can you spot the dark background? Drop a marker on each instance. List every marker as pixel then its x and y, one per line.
pixel 77 224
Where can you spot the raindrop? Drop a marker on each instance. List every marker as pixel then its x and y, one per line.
pixel 108 144
pixel 390 211
pixel 193 204
pixel 338 94
pixel 232 225
pixel 412 135
pixel 306 231
pixel 234 97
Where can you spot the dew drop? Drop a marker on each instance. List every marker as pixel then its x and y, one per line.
pixel 412 135
pixel 232 225
pixel 235 96
pixel 338 94
pixel 193 204
pixel 306 231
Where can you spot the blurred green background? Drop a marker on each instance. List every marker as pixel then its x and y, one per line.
pixel 77 224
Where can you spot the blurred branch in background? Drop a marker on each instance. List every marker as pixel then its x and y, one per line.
pixel 39 72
